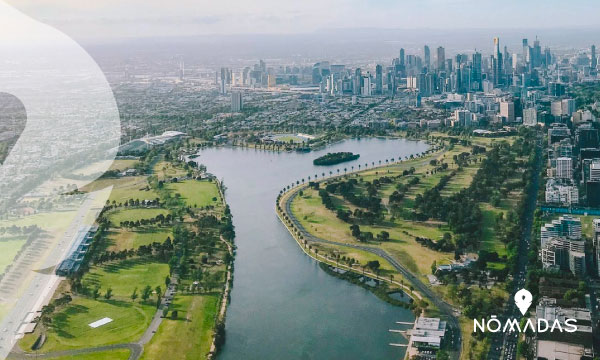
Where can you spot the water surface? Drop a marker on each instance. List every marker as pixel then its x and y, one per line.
pixel 283 306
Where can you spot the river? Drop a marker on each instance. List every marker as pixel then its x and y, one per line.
pixel 283 306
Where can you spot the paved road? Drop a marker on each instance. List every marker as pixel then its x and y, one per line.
pixel 136 348
pixel 504 345
pixel 444 307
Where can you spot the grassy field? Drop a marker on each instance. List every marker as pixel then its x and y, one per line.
pixel 126 275
pixel 124 188
pixel 197 193
pixel 122 239
pixel 190 335
pixel 126 214
pixel 9 247
pixel 164 170
pixel 117 354
pixel 70 328
pixel 323 222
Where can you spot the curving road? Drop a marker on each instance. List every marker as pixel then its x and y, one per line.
pixel 444 307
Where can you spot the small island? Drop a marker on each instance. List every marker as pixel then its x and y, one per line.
pixel 335 158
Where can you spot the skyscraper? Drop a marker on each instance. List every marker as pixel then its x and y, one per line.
pixel 427 56
pixel 537 54
pixel 476 68
pixel 379 79
pixel 401 58
pixel 441 58
pixel 497 63
pixel 237 103
pixel 357 81
pixel 525 51
pixel 594 61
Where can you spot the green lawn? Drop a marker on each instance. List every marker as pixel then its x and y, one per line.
pixel 125 188
pixel 190 335
pixel 117 354
pixel 126 275
pixel 134 214
pixel 197 193
pixel 164 169
pixel 70 327
pixel 488 240
pixel 9 247
pixel 122 239
pixel 323 223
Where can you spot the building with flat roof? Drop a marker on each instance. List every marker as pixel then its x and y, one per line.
pixel 77 252
pixel 563 345
pixel 426 337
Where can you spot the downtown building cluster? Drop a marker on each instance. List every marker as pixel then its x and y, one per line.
pixel 527 85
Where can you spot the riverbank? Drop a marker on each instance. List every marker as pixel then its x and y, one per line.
pixel 296 303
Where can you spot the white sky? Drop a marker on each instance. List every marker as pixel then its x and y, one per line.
pixel 97 19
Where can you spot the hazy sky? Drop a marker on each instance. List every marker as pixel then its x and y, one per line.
pixel 107 19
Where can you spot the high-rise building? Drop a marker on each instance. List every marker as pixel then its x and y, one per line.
pixel 476 78
pixel 427 56
pixel 565 226
pixel 525 51
pixel 223 84
pixel 379 79
pixel 441 58
pixel 530 117
pixel 537 54
pixel 391 81
pixel 568 107
pixel 366 89
pixel 401 58
pixel 564 168
pixel 556 108
pixel 357 83
pixel 596 243
pixel 507 110
pixel 497 63
pixel 594 60
pixel 271 82
pixel 237 103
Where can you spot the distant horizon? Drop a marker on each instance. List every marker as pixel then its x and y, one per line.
pixel 113 19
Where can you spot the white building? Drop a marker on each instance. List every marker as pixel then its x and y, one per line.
pixel 564 168
pixel 507 110
pixel 557 193
pixel 530 117
pixel 562 345
pixel 427 333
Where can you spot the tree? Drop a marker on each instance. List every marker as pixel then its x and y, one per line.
pixel 108 294
pixel 134 294
pixel 146 292
pixel 373 265
pixel 174 315
pixel 167 281
pixel 383 236
pixel 96 292
pixel 433 266
pixel 355 230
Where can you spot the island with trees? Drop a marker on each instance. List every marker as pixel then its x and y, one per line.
pixel 335 158
pixel 450 216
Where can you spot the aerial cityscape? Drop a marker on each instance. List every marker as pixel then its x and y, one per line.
pixel 194 185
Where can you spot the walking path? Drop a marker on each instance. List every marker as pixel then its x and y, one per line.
pixel 423 289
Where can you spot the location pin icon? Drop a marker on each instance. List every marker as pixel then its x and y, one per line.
pixel 523 300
